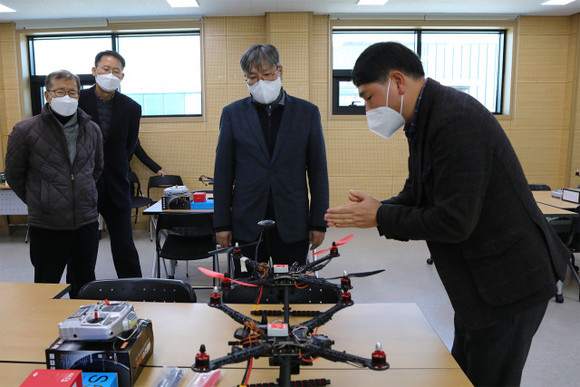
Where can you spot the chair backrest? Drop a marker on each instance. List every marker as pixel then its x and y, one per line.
pixel 139 289
pixel 135 184
pixel 275 295
pixel 540 187
pixel 163 182
pixel 185 221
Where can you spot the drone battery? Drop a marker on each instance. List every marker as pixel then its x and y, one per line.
pixel 199 197
pixel 278 329
pixel 126 357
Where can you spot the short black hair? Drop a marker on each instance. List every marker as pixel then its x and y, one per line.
pixel 378 60
pixel 109 53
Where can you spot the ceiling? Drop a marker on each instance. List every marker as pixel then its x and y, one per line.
pixel 87 9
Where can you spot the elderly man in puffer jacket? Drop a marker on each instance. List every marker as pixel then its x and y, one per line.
pixel 52 163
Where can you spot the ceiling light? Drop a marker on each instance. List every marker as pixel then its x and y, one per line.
pixel 371 2
pixel 183 3
pixel 4 8
pixel 557 2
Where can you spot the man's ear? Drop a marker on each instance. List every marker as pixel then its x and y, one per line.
pixel 400 80
pixel 94 72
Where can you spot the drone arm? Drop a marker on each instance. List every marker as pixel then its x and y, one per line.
pixel 235 315
pixel 324 317
pixel 336 356
pixel 236 357
pixel 310 265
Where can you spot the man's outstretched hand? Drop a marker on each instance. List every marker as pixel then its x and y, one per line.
pixel 362 213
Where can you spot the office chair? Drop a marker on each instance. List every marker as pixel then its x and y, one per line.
pixel 138 289
pixel 162 182
pixel 185 237
pixel 312 294
pixel 567 228
pixel 137 198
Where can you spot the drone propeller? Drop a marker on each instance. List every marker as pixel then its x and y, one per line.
pixel 230 248
pixel 337 243
pixel 359 274
pixel 215 274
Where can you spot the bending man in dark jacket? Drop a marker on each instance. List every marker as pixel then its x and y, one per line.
pixel 52 164
pixel 467 196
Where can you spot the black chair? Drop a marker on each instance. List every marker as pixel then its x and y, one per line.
pixel 312 294
pixel 137 198
pixel 185 237
pixel 162 182
pixel 138 289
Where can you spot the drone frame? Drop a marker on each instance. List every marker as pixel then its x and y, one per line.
pixel 301 343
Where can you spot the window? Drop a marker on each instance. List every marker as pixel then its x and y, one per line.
pixel 163 71
pixel 468 60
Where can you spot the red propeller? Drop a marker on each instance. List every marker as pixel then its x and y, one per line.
pixel 337 243
pixel 215 274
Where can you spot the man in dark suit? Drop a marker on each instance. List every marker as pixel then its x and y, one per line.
pixel 270 154
pixel 467 196
pixel 118 117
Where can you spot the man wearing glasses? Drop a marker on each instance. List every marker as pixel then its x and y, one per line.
pixel 118 116
pixel 270 164
pixel 52 163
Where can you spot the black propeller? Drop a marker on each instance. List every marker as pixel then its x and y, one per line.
pixel 359 274
pixel 228 249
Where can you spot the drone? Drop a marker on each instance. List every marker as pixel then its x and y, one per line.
pixel 287 346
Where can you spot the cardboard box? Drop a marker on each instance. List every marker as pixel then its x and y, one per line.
pixel 207 205
pixel 126 358
pixel 54 378
pixel 100 379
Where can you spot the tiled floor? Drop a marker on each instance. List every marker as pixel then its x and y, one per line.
pixel 554 359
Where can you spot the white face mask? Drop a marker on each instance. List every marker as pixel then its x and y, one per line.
pixel 64 106
pixel 108 82
pixel 385 121
pixel 266 92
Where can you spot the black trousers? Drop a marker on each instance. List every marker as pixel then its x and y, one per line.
pixel 272 245
pixel 53 250
pixel 496 355
pixel 125 255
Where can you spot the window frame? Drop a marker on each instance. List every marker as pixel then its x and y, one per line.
pixel 505 74
pixel 87 79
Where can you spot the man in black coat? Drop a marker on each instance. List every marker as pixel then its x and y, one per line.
pixel 467 196
pixel 118 116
